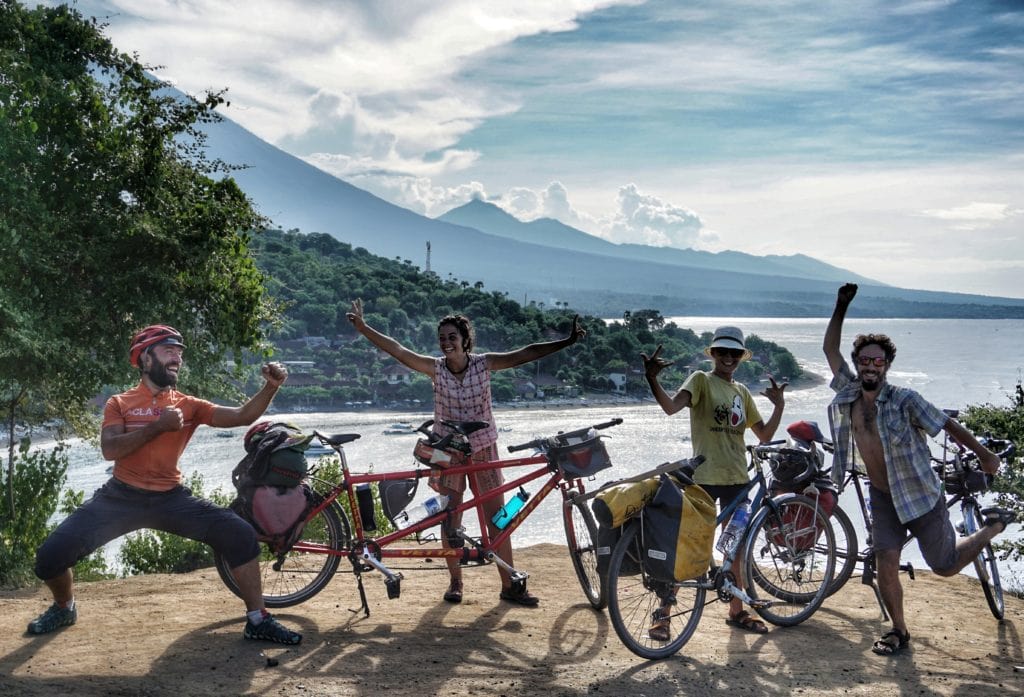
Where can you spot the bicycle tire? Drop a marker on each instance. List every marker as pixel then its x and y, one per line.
pixel 846 548
pixel 300 575
pixel 985 565
pixel 633 597
pixel 581 536
pixel 789 553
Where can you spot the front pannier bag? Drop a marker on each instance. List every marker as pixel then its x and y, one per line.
pixel 678 531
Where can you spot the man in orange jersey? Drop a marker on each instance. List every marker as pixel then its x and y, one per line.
pixel 145 430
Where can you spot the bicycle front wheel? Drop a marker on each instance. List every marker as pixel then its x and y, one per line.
pixel 653 618
pixel 581 535
pixel 846 548
pixel 297 576
pixel 985 565
pixel 789 554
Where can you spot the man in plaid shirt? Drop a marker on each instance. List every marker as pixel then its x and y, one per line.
pixel 886 428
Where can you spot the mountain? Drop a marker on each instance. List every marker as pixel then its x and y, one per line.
pixel 294 194
pixel 489 218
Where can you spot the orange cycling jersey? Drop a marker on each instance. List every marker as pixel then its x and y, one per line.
pixel 154 466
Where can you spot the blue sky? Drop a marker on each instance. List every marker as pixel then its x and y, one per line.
pixel 882 137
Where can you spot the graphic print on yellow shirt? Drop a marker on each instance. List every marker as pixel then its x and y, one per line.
pixel 720 412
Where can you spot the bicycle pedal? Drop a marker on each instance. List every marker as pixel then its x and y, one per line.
pixel 394 586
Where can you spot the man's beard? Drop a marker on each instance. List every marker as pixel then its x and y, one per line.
pixel 872 384
pixel 160 376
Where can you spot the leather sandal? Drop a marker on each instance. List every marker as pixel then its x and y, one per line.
pixel 454 592
pixel 891 643
pixel 996 516
pixel 747 622
pixel 518 594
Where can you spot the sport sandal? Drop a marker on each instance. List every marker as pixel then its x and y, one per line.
pixel 518 594
pixel 271 630
pixel 995 516
pixel 747 622
pixel 660 626
pixel 891 643
pixel 454 592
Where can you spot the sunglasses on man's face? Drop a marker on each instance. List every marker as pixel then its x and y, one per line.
pixel 877 361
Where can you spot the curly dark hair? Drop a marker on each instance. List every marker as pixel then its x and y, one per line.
pixel 464 326
pixel 881 340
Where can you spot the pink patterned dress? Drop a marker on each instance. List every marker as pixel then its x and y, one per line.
pixel 467 397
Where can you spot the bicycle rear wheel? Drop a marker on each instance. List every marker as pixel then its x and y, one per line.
pixel 846 548
pixel 581 535
pixel 789 553
pixel 634 598
pixel 299 575
pixel 985 565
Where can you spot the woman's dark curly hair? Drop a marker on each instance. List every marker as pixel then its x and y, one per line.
pixel 880 340
pixel 465 329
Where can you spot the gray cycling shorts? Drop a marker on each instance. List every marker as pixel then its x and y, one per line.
pixel 934 531
pixel 116 509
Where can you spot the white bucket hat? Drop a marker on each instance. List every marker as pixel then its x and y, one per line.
pixel 729 338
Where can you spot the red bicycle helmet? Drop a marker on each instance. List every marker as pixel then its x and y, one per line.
pixel 151 336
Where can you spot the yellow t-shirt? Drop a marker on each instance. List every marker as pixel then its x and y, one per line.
pixel 720 412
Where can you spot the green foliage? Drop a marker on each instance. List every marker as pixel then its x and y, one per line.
pixel 109 220
pixel 1006 422
pixel 154 551
pixel 36 491
pixel 400 300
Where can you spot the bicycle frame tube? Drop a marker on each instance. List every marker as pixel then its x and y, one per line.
pixel 350 480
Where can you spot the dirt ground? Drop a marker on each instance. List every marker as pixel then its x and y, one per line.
pixel 182 635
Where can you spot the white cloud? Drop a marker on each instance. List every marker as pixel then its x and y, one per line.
pixel 974 215
pixel 647 219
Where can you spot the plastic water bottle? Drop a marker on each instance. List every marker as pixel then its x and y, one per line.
pixel 503 517
pixel 421 511
pixel 734 530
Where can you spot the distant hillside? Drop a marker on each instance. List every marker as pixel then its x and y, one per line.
pixel 297 195
pixel 491 219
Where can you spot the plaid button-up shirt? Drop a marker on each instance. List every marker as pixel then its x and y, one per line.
pixel 904 421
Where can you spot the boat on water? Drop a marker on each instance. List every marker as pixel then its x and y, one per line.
pixel 399 429
pixel 318 450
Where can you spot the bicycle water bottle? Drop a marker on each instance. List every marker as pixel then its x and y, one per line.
pixel 734 530
pixel 421 511
pixel 509 511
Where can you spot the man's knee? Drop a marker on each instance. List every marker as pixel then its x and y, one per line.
pixel 57 554
pixel 235 540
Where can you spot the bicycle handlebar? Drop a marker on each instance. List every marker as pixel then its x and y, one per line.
pixel 547 442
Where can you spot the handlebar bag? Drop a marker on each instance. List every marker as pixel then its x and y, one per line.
pixel 678 531
pixel 583 459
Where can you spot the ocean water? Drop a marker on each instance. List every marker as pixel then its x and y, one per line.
pixel 953 363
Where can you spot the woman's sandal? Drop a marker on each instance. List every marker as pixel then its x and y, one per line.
pixel 891 643
pixel 745 621
pixel 454 592
pixel 518 594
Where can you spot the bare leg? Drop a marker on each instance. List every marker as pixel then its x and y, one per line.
pixel 250 586
pixel 62 587
pixel 504 550
pixel 887 563
pixel 968 549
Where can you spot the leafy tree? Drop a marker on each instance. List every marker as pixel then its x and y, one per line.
pixel 109 220
pixel 1006 422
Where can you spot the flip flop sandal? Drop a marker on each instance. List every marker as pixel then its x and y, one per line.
pixel 747 623
pixel 891 643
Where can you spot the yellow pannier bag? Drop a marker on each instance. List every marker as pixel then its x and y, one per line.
pixel 678 529
pixel 617 504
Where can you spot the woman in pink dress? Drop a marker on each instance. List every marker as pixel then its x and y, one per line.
pixel 462 392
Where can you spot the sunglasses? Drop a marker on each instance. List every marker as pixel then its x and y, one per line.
pixel 877 361
pixel 732 353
